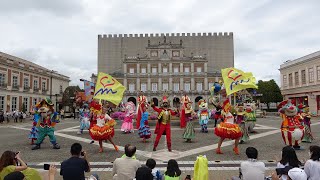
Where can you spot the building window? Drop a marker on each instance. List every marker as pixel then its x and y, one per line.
pixel 175 53
pixel 26 83
pixel 44 86
pixel 311 75
pixel 143 70
pixel 318 73
pixel 35 84
pixel 165 86
pixel 290 79
pixel 176 70
pixel 35 101
pixel 296 78
pixel 25 104
pixel 13 103
pixel 2 103
pixel 165 70
pixel 154 87
pixel 131 87
pixel 187 87
pixel 199 86
pixel 144 87
pixel 131 70
pixel 303 76
pixel 154 70
pixel 15 81
pixel 199 69
pixel 186 69
pixel 211 85
pixel 2 79
pixel 285 81
pixel 154 53
pixel 175 87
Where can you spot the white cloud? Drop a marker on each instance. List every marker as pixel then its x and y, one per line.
pixel 62 35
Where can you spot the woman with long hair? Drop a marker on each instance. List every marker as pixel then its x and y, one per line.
pixel 289 158
pixel 312 166
pixel 9 163
pixel 173 172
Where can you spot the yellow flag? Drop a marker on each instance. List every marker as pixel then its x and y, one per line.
pixel 236 80
pixel 108 88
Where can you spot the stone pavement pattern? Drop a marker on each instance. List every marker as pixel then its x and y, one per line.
pixel 268 142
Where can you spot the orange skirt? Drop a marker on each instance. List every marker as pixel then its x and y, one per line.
pixel 227 130
pixel 102 133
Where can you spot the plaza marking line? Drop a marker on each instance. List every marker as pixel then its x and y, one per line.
pixel 163 154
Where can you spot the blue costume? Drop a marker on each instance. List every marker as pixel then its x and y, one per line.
pixel 144 129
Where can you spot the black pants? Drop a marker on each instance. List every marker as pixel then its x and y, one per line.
pixel 16 119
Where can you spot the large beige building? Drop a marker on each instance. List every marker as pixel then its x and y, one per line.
pixel 169 64
pixel 300 80
pixel 23 84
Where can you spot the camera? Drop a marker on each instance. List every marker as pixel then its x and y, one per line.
pixel 188 177
pixel 46 166
pixel 285 170
pixel 82 153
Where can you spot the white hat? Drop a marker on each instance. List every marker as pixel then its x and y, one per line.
pixel 297 174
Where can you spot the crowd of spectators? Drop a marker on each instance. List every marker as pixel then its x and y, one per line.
pixel 127 167
pixel 16 116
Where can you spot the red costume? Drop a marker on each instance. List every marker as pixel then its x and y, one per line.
pixel 142 101
pixel 163 124
pixel 184 102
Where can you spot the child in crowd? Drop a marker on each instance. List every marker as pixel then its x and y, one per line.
pixel 151 163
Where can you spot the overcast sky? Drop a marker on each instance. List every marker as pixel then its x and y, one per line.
pixel 62 34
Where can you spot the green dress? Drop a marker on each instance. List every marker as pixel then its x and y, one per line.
pixel 29 173
pixel 189 132
pixel 166 177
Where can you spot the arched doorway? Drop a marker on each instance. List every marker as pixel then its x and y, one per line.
pixel 176 102
pixel 132 99
pixel 155 101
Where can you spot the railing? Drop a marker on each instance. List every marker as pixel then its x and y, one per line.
pixel 44 91
pixel 3 85
pixel 35 89
pixel 26 88
pixel 15 87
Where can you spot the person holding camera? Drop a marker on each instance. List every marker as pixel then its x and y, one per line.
pixel 312 166
pixel 74 167
pixel 11 162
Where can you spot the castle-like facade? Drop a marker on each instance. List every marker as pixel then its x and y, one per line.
pixel 170 64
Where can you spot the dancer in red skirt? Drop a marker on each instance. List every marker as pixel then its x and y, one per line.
pixel 228 129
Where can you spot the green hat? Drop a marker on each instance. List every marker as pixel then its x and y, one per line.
pixel 49 102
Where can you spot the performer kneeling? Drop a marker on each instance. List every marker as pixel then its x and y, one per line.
pixel 103 130
pixel 227 129
pixel 163 124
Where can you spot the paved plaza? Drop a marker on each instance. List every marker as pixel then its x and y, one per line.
pixel 267 140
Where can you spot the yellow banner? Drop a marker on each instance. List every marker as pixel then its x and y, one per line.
pixel 108 88
pixel 236 80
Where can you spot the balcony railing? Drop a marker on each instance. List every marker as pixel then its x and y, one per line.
pixel 44 91
pixel 15 87
pixel 26 88
pixel 35 89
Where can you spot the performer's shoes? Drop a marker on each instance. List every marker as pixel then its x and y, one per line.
pixel 218 151
pixel 100 150
pixel 154 149
pixel 241 142
pixel 36 147
pixel 56 146
pixel 92 142
pixel 236 150
pixel 170 150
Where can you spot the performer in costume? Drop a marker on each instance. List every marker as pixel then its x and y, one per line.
pixel 203 115
pixel 189 132
pixel 163 124
pixel 142 101
pixel 144 130
pixel 127 126
pixel 250 116
pixel 217 116
pixel 84 115
pixel 34 130
pixel 46 122
pixel 307 137
pixel 227 129
pixel 184 102
pixel 240 120
pixel 103 130
pixel 291 127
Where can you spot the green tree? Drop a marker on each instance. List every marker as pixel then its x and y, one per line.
pixel 69 94
pixel 270 90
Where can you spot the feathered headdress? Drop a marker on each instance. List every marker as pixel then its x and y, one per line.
pixel 226 105
pixel 95 107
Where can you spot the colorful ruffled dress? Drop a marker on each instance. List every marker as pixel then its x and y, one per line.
pixel 307 136
pixel 242 124
pixel 84 120
pixel 189 132
pixel 34 130
pixel 144 129
pixel 227 128
pixel 103 130
pixel 127 126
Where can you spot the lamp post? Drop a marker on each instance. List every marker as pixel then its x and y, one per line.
pixel 56 102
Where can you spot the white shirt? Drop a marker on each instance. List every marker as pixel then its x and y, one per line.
pixel 229 118
pixel 312 169
pixel 253 170
pixel 279 165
